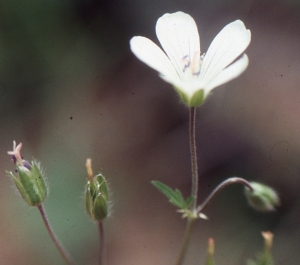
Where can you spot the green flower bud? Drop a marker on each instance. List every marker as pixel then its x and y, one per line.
pixel 29 180
pixel 262 198
pixel 210 252
pixel 96 195
pixel 265 257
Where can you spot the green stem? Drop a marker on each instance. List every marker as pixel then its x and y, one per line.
pixel 195 180
pixel 220 187
pixel 187 236
pixel 102 243
pixel 66 256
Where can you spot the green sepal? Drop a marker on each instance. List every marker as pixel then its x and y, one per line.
pixel 102 185
pixel 20 187
pixel 30 183
pixel 96 198
pixel 39 179
pixel 175 196
pixel 100 210
pixel 89 200
pixel 262 198
pixel 196 100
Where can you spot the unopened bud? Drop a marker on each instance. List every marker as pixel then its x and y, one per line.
pixel 268 237
pixel 262 197
pixel 29 180
pixel 96 195
pixel 210 252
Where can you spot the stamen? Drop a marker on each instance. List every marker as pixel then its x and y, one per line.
pixel 186 62
pixel 196 64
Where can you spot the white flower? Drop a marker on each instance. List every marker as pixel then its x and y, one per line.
pixel 182 65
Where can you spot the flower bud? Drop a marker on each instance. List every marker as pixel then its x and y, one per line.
pixel 265 257
pixel 96 195
pixel 262 198
pixel 210 252
pixel 29 180
pixel 268 237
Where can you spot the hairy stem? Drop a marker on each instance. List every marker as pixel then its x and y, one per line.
pixel 195 178
pixel 102 243
pixel 66 256
pixel 222 186
pixel 187 236
pixel 194 191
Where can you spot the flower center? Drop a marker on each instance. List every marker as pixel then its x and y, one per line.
pixel 193 65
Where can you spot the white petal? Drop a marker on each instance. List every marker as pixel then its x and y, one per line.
pixel 149 53
pixel 225 48
pixel 179 37
pixel 229 73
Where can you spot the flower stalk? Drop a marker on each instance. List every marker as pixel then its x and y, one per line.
pixel 102 243
pixel 194 191
pixel 195 178
pixel 220 187
pixel 65 255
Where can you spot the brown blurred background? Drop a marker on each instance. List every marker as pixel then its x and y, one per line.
pixel 71 89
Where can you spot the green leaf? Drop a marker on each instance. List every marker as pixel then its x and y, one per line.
pixel 189 201
pixel 174 196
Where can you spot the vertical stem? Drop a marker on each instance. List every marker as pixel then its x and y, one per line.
pixel 66 256
pixel 187 235
pixel 194 192
pixel 102 243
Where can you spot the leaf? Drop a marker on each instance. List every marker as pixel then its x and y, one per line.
pixel 189 201
pixel 174 196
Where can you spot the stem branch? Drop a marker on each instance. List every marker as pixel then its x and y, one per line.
pixel 222 186
pixel 66 256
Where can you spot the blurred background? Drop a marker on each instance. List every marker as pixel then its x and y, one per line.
pixel 71 89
